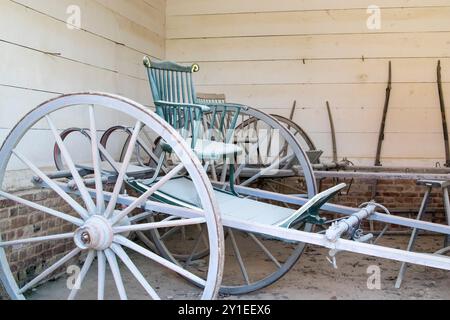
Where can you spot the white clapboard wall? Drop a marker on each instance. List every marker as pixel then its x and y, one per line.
pixel 269 53
pixel 41 58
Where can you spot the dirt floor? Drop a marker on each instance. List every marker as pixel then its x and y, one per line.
pixel 312 277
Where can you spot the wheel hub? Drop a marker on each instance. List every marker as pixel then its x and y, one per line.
pixel 96 233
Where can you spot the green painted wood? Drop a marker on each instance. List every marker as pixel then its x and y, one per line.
pixel 249 210
pixel 176 101
pixel 170 66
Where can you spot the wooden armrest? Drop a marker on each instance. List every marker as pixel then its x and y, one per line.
pixel 179 104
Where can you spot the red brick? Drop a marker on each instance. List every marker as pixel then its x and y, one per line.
pixel 19 222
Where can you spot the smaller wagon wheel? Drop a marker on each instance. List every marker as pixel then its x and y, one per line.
pixel 57 157
pixel 305 140
pixel 95 217
pixel 145 145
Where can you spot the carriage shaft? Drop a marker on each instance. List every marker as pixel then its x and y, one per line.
pixel 343 210
pixel 424 259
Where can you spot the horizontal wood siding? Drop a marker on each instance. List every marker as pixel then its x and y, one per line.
pixel 269 53
pixel 42 58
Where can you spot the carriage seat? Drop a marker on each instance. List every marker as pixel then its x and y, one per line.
pixel 210 150
pixel 181 191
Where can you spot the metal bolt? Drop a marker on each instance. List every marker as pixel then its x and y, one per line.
pixel 37 179
pixel 85 237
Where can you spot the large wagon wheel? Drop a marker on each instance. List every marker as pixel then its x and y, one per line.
pixel 275 256
pixel 97 220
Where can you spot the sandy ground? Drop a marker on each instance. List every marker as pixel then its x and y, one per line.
pixel 311 278
pixel 314 278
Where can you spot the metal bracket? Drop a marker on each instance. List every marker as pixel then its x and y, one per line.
pixel 332 257
pixel 344 226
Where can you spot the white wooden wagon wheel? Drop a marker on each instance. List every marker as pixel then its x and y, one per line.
pixel 276 257
pixel 98 216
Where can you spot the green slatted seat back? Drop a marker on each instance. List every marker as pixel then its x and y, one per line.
pixel 171 82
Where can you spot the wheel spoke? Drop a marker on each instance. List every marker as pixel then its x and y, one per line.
pixel 194 249
pixel 39 207
pixel 238 256
pixel 134 270
pixel 158 225
pixel 241 167
pixel 149 152
pixel 37 239
pixel 169 232
pixel 75 205
pixel 141 216
pixel 101 275
pixel 108 157
pixel 214 171
pixel 123 171
pixel 263 248
pixel 50 270
pixel 139 201
pixel 69 161
pixel 265 170
pixel 269 147
pixel 260 144
pixel 170 265
pixel 146 241
pixel 96 162
pixel 205 240
pixel 289 163
pixel 284 150
pixel 116 273
pixel 84 270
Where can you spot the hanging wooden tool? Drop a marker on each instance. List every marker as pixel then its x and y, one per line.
pixel 294 107
pixel 333 133
pixel 443 117
pixel 383 121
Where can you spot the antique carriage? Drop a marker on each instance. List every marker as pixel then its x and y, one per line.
pixel 182 185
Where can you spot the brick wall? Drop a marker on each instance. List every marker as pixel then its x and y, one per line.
pixel 401 197
pixel 18 222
